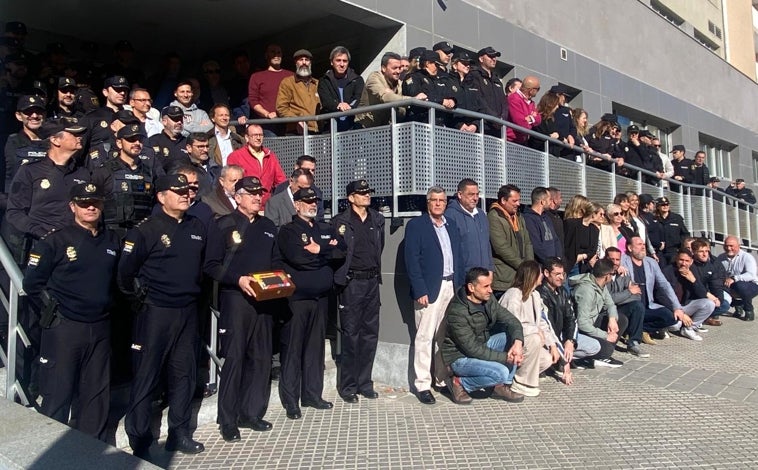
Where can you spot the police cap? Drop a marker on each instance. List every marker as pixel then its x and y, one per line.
pixel 175 183
pixel 116 82
pixel 632 128
pixel 251 184
pixel 489 51
pixel 54 126
pixel 56 48
pixel 610 117
pixel 358 186
pixel 645 199
pixel 443 46
pixel 428 56
pixel 174 112
pixel 559 89
pixel 462 56
pixel 30 101
pixel 678 147
pixel 416 52
pixel 126 116
pixel 123 45
pixel 66 82
pixel 86 192
pixel 16 58
pixel 130 130
pixel 662 201
pixel 305 195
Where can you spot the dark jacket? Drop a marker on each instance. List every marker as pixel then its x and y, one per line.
pixel 343 226
pixel 329 94
pixel 560 311
pixel 423 257
pixel 486 96
pixel 543 235
pixel 712 275
pixel 674 231
pixel 468 329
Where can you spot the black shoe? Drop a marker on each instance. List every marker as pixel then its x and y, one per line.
pixel 319 404
pixel 275 372
pixel 185 445
pixel 349 398
pixel 142 453
pixel 294 413
pixel 749 315
pixel 256 424
pixel 230 433
pixel 370 394
pixel 426 397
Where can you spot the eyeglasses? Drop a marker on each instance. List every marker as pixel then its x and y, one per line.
pixel 32 112
pixel 142 100
pixel 615 213
pixel 363 193
pixel 661 205
pixel 68 91
pixel 201 146
pixel 134 138
pixel 657 146
pixel 256 135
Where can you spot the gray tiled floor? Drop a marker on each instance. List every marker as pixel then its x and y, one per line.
pixel 690 405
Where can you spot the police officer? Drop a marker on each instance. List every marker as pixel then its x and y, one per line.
pixel 161 266
pixel 128 181
pixel 241 243
pixel 27 145
pixel 307 247
pixel 425 80
pixel 115 90
pixel 64 104
pixel 169 145
pixel 39 192
pixel 70 272
pixel 107 149
pixel 362 229
pixel 674 230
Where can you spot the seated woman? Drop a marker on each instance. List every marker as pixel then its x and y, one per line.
pixel 525 303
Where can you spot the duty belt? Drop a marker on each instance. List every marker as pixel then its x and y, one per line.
pixel 370 274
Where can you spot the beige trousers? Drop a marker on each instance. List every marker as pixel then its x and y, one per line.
pixel 536 360
pixel 430 333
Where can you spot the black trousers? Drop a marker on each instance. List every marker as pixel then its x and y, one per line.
pixel 245 336
pixel 359 320
pixel 75 362
pixel 635 313
pixel 302 352
pixel 606 347
pixel 162 337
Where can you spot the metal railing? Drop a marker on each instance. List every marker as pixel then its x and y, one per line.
pixel 403 159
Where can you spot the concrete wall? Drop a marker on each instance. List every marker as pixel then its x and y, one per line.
pixel 738 31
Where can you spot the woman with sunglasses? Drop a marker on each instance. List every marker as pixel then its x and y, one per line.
pixel 615 232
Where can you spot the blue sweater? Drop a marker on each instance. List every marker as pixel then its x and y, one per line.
pixel 475 236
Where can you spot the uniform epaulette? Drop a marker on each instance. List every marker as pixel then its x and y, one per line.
pixel 47 234
pixel 142 221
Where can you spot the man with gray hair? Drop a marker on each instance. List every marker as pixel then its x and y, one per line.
pixel 281 206
pixel 298 95
pixel 434 265
pixel 221 200
pixel 340 88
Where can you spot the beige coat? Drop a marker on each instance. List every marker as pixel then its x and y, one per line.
pixel 298 97
pixel 378 91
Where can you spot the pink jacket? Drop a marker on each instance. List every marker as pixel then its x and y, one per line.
pixel 518 110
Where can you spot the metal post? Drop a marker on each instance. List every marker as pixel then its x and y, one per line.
pixel 432 120
pixel 546 163
pixel 333 139
pixel 395 163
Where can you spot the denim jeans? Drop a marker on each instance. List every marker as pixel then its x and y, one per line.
pixel 743 293
pixel 586 346
pixel 478 373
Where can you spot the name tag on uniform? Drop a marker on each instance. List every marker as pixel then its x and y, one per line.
pixel 326 237
pixel 196 237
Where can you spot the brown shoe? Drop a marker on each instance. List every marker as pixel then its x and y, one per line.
pixel 713 322
pixel 504 392
pixel 647 339
pixel 457 392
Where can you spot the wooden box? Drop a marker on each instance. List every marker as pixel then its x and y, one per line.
pixel 272 285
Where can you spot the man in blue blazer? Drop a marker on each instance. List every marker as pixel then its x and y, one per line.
pixel 434 266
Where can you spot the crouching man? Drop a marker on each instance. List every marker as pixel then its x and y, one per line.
pixel 476 358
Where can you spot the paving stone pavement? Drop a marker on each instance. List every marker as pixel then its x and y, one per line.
pixel 690 405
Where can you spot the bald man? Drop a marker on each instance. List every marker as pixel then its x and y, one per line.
pixel 522 110
pixel 742 277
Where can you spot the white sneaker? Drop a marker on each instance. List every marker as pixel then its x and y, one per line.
pixel 701 329
pixel 691 334
pixel 675 327
pixel 525 390
pixel 610 362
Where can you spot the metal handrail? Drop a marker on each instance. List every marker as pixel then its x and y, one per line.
pixel 10 302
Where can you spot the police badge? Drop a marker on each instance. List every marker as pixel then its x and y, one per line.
pixel 71 253
pixel 103 124
pixel 341 230
pixel 124 186
pixel 44 184
pixel 166 241
pixel 304 237
pixel 236 237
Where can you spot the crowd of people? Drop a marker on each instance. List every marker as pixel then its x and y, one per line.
pixel 504 296
pixel 124 216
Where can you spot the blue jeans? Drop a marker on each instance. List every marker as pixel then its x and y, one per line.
pixel 478 373
pixel 743 293
pixel 586 346
pixel 721 309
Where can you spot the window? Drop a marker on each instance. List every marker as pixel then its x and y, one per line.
pixel 718 161
pixel 755 166
pixel 713 29
pixel 667 13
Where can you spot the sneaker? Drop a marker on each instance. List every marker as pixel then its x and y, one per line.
pixel 647 339
pixel 700 329
pixel 581 364
pixel 660 334
pixel 739 312
pixel 675 327
pixel 525 390
pixel 691 334
pixel 634 349
pixel 749 315
pixel 610 362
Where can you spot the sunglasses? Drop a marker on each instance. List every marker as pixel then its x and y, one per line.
pixel 615 213
pixel 193 187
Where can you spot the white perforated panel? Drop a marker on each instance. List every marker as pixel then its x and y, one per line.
pixel 525 167
pixel 364 154
pixel 495 168
pixel 599 187
pixel 566 176
pixel 457 155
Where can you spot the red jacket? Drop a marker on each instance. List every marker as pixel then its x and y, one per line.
pixel 270 174
pixel 518 109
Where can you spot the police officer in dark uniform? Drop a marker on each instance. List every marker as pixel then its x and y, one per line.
pixel 307 249
pixel 674 229
pixel 357 280
pixel 682 167
pixel 25 146
pixel 128 181
pixel 161 267
pixel 115 91
pixel 425 80
pixel 64 104
pixel 70 273
pixel 107 149
pixel 485 90
pixel 241 243
pixel 169 145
